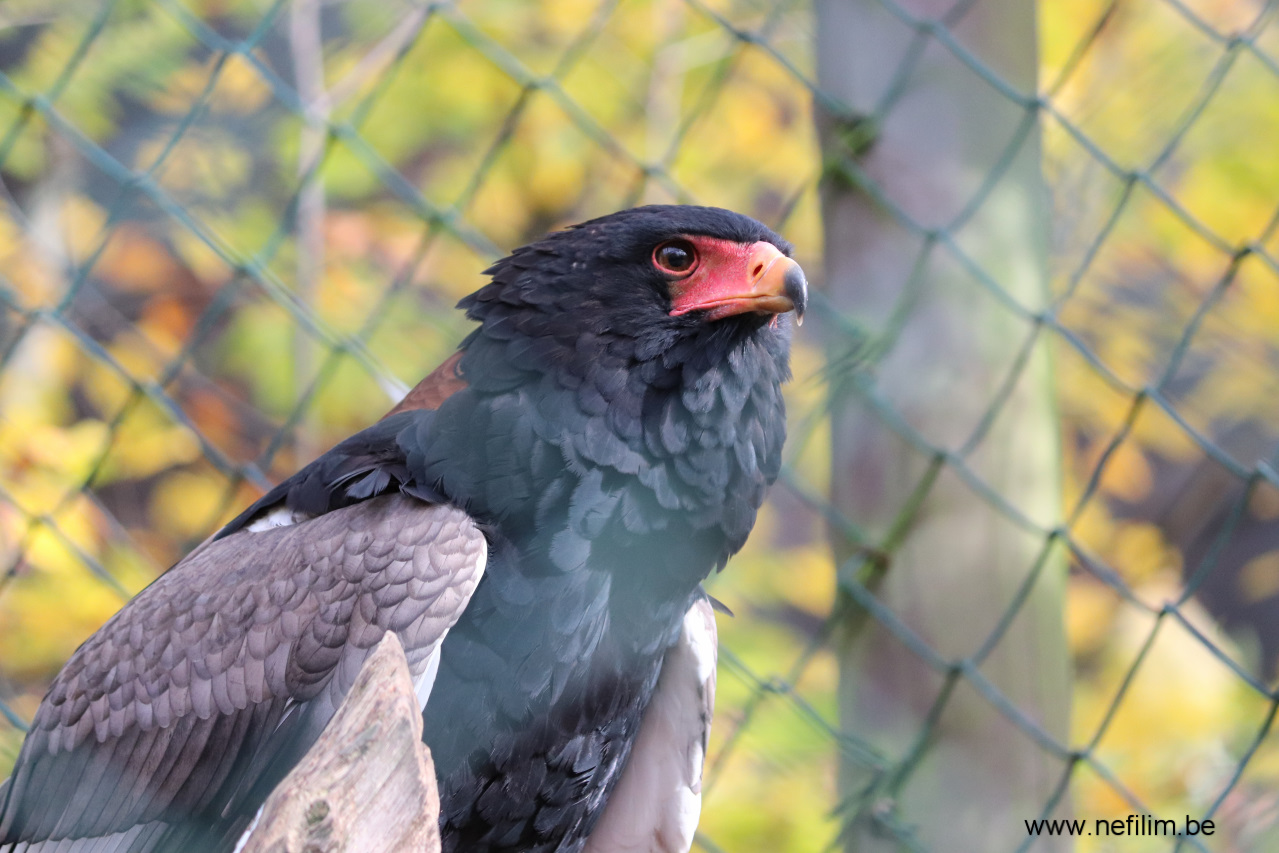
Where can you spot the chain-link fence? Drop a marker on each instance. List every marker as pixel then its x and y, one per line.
pixel 231 230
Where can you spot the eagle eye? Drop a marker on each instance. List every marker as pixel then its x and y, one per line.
pixel 675 257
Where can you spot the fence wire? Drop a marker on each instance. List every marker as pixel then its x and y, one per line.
pixel 232 231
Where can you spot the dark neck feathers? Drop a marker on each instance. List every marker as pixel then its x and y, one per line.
pixel 676 430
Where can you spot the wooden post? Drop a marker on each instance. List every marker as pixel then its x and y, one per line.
pixel 368 784
pixel 936 218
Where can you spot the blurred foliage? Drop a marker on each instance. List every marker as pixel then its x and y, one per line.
pixel 1167 210
pixel 171 342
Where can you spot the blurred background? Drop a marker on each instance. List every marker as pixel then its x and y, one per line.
pixel 1023 561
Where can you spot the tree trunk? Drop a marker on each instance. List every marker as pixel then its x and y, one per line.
pixel 936 226
pixel 368 784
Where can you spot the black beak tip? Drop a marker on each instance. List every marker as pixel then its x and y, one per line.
pixel 796 287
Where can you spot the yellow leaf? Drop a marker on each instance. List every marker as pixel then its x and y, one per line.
pixel 1127 475
pixel 1259 578
pixel 187 503
pixel 1090 614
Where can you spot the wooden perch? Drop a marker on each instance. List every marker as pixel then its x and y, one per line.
pixel 368 784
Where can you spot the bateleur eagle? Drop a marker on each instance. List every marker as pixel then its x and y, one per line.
pixel 533 521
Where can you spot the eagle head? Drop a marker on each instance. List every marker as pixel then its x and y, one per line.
pixel 654 274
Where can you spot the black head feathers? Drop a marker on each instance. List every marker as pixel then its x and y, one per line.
pixel 600 278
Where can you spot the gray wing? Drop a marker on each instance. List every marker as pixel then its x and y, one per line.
pixel 175 719
pixel 657 802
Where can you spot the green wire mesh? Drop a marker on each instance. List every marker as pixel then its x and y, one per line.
pixel 231 232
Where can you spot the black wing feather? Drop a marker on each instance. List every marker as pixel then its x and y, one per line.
pixel 370 463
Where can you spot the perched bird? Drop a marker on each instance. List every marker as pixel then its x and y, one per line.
pixel 533 521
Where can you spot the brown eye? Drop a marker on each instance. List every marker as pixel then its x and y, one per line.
pixel 675 256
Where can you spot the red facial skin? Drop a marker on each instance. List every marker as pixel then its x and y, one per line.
pixel 729 278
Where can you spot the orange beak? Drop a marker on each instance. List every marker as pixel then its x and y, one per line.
pixel 736 279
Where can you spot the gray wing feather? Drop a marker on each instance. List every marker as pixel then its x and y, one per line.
pixel 177 705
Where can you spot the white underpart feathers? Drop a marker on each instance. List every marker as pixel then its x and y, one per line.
pixel 656 804
pixel 277 516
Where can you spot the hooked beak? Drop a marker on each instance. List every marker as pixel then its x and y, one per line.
pixel 768 283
